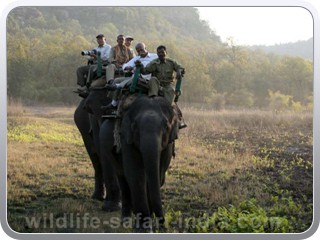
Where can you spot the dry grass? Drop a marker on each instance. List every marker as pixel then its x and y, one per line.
pixel 15 108
pixel 222 158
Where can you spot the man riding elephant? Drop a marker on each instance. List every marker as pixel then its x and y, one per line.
pixel 144 57
pixel 162 70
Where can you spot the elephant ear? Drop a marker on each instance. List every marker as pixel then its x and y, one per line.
pixel 174 129
pixel 170 130
pixel 166 128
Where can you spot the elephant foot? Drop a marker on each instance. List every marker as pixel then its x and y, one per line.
pixel 126 216
pixel 99 190
pixel 143 224
pixel 142 230
pixel 125 212
pixel 98 195
pixel 111 206
pixel 126 222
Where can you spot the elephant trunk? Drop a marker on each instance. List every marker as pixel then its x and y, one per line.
pixel 150 147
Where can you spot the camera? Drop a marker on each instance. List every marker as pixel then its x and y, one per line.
pixel 89 52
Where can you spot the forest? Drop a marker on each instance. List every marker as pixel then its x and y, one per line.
pixel 44 45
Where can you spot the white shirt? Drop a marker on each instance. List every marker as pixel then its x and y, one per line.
pixel 104 50
pixel 144 60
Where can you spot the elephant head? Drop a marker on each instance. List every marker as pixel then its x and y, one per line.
pixel 95 100
pixel 148 130
pixel 151 116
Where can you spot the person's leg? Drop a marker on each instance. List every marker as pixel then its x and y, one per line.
pixel 81 72
pixel 169 93
pixel 154 86
pixel 91 73
pixel 114 91
pixel 111 68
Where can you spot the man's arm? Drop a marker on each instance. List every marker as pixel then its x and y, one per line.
pixel 178 68
pixel 130 64
pixel 150 68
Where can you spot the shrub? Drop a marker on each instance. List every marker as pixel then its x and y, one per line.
pixel 248 217
pixel 278 101
pixel 241 98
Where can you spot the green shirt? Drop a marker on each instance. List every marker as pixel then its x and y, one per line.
pixel 164 71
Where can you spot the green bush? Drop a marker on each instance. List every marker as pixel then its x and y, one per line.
pixel 278 101
pixel 248 217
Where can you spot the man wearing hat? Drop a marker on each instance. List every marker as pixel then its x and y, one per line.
pixel 85 74
pixel 128 41
pixel 119 55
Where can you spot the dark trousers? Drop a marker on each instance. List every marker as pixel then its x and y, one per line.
pixel 85 74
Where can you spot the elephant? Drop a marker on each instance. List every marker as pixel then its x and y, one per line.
pixel 148 130
pixel 82 120
pixel 88 118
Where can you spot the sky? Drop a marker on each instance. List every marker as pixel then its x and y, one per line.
pixel 259 25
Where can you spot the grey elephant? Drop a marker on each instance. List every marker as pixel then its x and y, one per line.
pixel 82 121
pixel 88 120
pixel 148 130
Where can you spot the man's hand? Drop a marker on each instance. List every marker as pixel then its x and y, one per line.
pixel 128 68
pixel 138 63
pixel 93 56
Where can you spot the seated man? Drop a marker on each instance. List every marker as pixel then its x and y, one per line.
pixel 128 41
pixel 144 57
pixel 119 55
pixel 85 74
pixel 162 70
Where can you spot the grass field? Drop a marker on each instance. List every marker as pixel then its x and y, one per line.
pixel 234 171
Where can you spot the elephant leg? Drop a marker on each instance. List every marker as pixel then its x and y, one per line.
pixel 126 199
pixel 136 179
pixel 81 119
pixel 108 159
pixel 113 201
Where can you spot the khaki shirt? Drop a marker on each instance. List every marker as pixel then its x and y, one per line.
pixel 163 71
pixel 120 55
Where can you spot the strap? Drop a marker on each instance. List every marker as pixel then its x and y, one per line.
pixel 135 79
pixel 99 70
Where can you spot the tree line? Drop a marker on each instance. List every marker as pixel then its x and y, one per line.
pixel 44 45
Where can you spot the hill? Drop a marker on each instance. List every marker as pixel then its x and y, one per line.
pixel 302 49
pixel 88 21
pixel 44 45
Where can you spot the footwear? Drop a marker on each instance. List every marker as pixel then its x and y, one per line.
pixel 182 125
pixel 83 88
pixel 111 87
pixel 84 94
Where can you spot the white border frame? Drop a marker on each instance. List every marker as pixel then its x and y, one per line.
pixel 199 3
